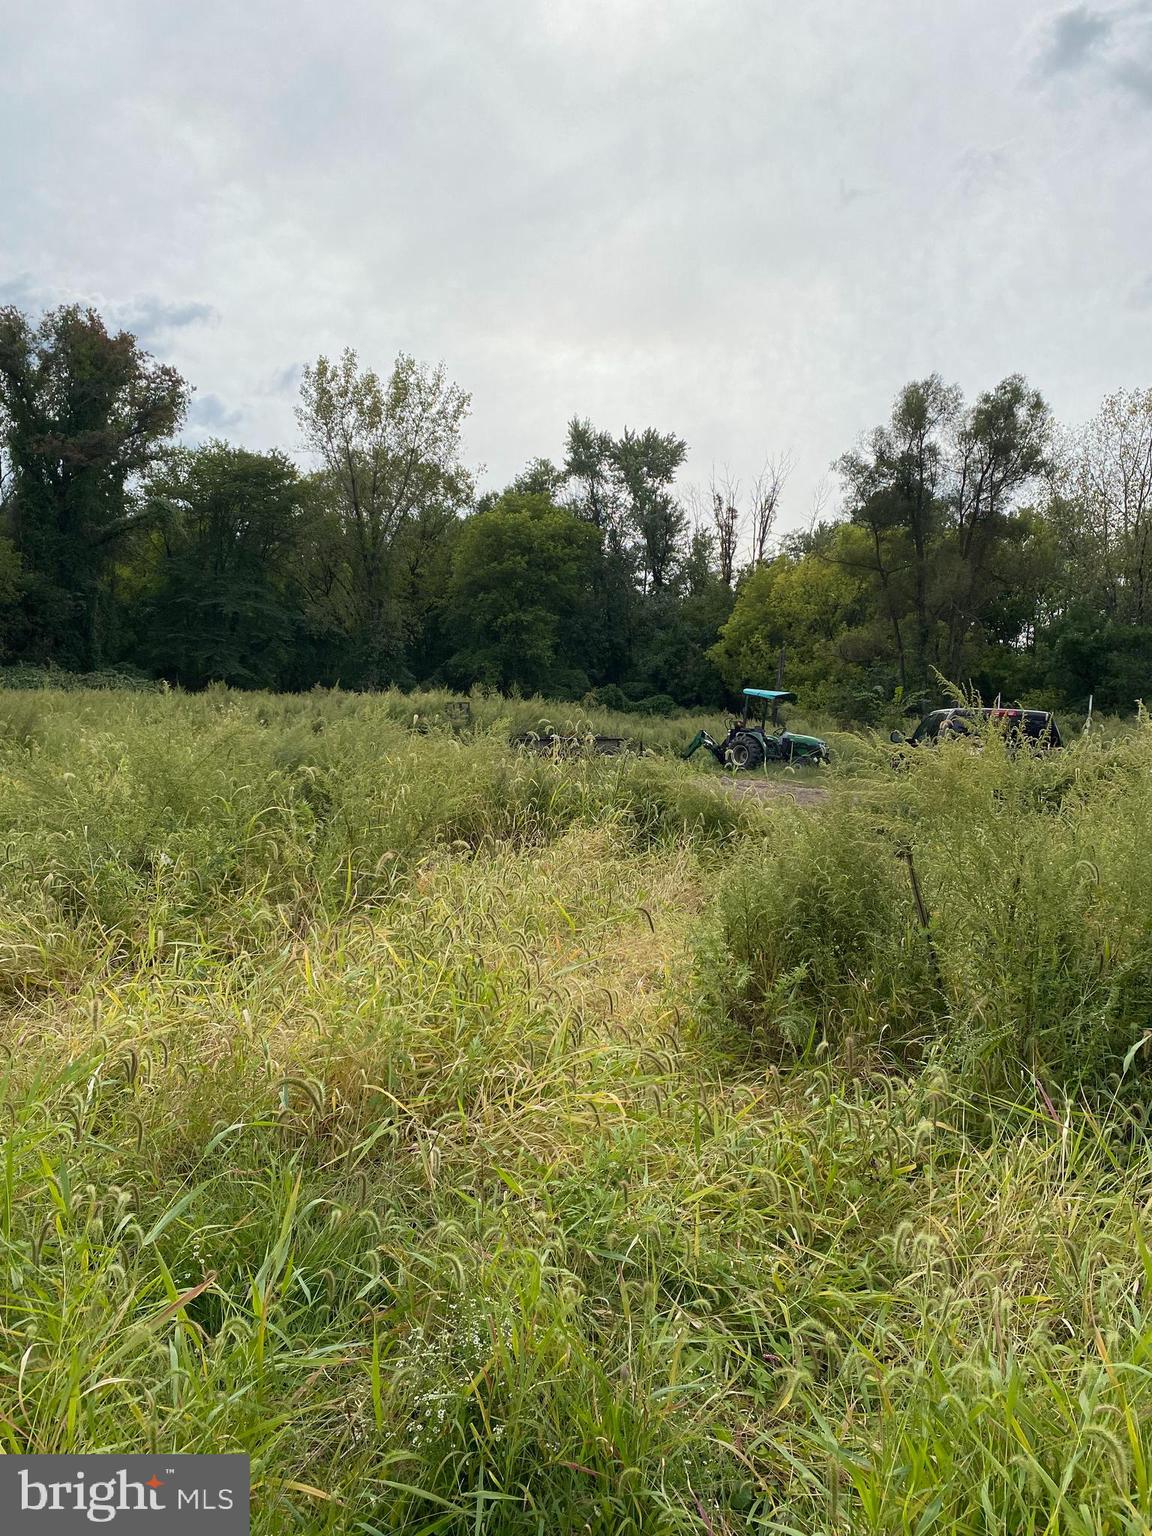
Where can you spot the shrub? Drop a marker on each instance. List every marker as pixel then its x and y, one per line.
pixel 657 704
pixel 609 697
pixel 813 941
pixel 25 675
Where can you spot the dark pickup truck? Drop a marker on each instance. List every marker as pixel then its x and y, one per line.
pixel 1035 726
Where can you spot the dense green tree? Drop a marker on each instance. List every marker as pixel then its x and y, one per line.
pixel 935 499
pixel 389 455
pixel 1091 633
pixel 84 413
pixel 12 588
pixel 597 496
pixel 1100 509
pixel 1087 654
pixel 1002 447
pixel 224 601
pixel 540 477
pixel 646 464
pixel 624 488
pixel 895 493
pixel 676 630
pixel 802 605
pixel 591 466
pixel 424 554
pixel 974 542
pixel 520 597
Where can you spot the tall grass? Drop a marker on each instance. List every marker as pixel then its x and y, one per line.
pixel 1037 958
pixel 360 1115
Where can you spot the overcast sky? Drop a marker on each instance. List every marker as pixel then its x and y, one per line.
pixel 747 221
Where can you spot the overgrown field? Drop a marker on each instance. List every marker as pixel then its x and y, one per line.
pixel 490 1144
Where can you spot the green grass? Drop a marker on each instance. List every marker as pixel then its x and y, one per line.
pixel 488 1144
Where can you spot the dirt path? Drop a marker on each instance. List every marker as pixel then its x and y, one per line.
pixel 760 786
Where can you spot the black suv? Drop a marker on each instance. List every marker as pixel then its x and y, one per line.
pixel 1035 726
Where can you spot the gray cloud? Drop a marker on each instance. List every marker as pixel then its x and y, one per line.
pixel 1135 75
pixel 157 323
pixel 208 415
pixel 20 291
pixel 149 316
pixel 286 381
pixel 1073 40
pixel 1112 47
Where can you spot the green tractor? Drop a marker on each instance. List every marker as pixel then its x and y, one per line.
pixel 750 743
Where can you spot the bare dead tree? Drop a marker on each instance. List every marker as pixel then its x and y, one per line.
pixel 767 489
pixel 821 496
pixel 698 507
pixel 725 507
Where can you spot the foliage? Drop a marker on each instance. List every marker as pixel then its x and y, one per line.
pixel 1095 635
pixel 12 588
pixel 221 601
pixel 83 414
pixel 797 609
pixel 934 499
pixel 975 540
pixel 652 626
pixel 390 459
pixel 1102 514
pixel 520 597
pixel 22 676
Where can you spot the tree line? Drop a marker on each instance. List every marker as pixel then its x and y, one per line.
pixel 978 541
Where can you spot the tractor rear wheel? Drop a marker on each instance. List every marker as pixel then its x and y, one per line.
pixel 745 752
